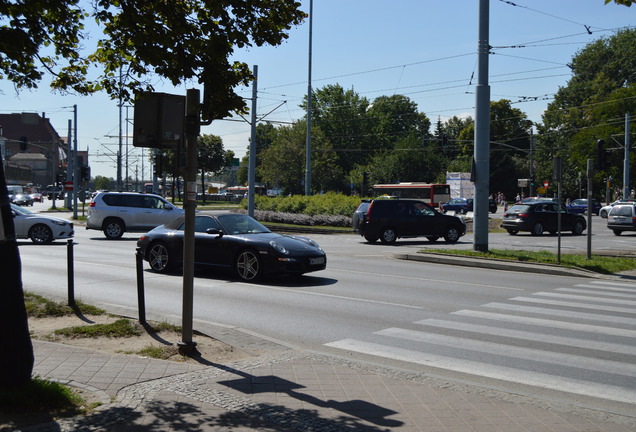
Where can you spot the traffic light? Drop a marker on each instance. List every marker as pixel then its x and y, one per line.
pixel 444 140
pixel 158 166
pixel 601 155
pixel 532 181
pixel 85 173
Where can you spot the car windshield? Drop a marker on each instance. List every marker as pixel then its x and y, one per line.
pixel 241 224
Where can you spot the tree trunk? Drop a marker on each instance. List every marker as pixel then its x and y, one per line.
pixel 16 363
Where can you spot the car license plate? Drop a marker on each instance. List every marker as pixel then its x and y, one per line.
pixel 317 261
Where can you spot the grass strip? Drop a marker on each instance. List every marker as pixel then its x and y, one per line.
pixel 597 263
pixel 40 307
pixel 119 328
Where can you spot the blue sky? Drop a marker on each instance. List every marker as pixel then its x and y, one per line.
pixel 424 49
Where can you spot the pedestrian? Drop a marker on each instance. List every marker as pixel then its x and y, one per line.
pixel 518 198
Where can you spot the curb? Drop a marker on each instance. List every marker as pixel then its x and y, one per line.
pixel 495 264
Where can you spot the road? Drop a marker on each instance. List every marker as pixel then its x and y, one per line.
pixel 563 338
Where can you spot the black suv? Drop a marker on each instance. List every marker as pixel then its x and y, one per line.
pixel 390 219
pixel 541 216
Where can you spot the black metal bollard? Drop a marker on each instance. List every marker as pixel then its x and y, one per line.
pixel 140 285
pixel 70 272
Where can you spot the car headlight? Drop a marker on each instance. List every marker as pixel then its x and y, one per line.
pixel 60 223
pixel 314 244
pixel 278 247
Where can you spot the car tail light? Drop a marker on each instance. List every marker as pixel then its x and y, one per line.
pixel 92 204
pixel 523 215
pixel 369 212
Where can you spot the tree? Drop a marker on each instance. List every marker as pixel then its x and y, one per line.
pixel 409 161
pixel 283 163
pixel 16 365
pixel 392 118
pixel 265 134
pixel 627 3
pixel 102 183
pixel 212 158
pixel 175 41
pixel 189 40
pixel 342 117
pixel 590 107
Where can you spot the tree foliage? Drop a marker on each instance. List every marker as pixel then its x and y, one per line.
pixel 211 157
pixel 176 41
pixel 590 107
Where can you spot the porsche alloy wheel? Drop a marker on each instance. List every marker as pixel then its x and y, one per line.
pixel 248 265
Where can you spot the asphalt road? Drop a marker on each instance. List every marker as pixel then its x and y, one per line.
pixel 563 338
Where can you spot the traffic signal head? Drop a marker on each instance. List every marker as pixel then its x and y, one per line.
pixel 444 140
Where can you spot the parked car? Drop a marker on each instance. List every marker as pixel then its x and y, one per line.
pixel 621 218
pixel 235 242
pixel 41 229
pixel 37 197
pixel 606 209
pixel 390 219
pixel 541 216
pixel 465 205
pixel 22 200
pixel 115 213
pixel 580 206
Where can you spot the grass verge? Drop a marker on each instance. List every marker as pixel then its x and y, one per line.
pixel 598 263
pixel 40 307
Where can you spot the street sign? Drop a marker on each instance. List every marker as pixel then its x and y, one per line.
pixel 68 185
pixel 545 184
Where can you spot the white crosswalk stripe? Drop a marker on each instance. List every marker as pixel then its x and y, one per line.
pixel 580 339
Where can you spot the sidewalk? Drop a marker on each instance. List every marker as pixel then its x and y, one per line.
pixel 285 389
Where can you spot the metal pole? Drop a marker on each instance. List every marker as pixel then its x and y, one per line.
pixel 120 142
pixel 308 150
pixel 252 161
pixel 530 192
pixel 626 162
pixel 193 127
pixel 140 285
pixel 482 134
pixel 590 173
pixel 75 164
pixel 69 166
pixel 70 272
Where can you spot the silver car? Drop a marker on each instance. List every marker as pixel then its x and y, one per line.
pixel 622 218
pixel 115 213
pixel 41 229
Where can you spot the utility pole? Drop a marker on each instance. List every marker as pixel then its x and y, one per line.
pixel 69 165
pixel 120 140
pixel 626 161
pixel 252 161
pixel 308 152
pixel 193 127
pixel 75 167
pixel 482 134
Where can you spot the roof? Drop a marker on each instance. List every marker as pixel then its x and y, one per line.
pixel 32 126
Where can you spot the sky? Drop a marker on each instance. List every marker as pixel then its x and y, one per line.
pixel 423 49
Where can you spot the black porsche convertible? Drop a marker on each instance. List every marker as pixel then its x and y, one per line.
pixel 235 242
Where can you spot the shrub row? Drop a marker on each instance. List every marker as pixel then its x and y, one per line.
pixel 301 219
pixel 329 204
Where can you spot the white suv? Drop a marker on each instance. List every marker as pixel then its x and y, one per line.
pixel 117 212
